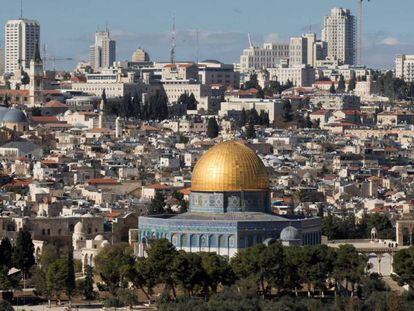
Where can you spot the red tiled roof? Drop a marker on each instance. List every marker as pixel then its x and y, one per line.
pixel 45 119
pixel 102 181
pixel 55 104
pixel 157 186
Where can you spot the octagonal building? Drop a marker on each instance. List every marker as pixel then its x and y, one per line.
pixel 229 207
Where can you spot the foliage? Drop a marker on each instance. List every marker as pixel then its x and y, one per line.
pixel 404 266
pixel 287 111
pixel 352 84
pixel 392 87
pixel 341 85
pixel 88 292
pixel 56 277
pixel 157 205
pixel 188 100
pixel 23 257
pixel 70 276
pixel 332 89
pixel 6 253
pixel 111 264
pixel 336 228
pixel 6 306
pixel 250 131
pixel 212 128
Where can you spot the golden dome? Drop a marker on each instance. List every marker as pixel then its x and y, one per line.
pixel 229 166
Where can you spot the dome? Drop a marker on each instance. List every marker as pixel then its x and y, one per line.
pixel 3 111
pixel 99 237
pixel 229 166
pixel 105 243
pixel 15 116
pixel 78 227
pixel 289 234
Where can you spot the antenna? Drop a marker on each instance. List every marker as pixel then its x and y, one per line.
pixel 173 43
pixel 107 27
pixel 21 9
pixel 250 40
pixel 197 46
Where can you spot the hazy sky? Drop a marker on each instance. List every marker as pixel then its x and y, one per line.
pixel 67 27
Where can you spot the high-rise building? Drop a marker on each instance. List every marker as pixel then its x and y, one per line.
pixel 298 51
pixel 21 37
pixel 140 56
pixel 103 53
pixel 404 67
pixel 339 33
pixel 1 61
pixel 267 56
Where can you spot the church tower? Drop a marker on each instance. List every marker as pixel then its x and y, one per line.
pixel 36 78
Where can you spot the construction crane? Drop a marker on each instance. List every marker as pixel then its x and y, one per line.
pixel 54 60
pixel 360 31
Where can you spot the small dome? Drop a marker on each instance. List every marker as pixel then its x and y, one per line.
pixel 78 227
pixel 105 243
pixel 15 116
pixel 289 234
pixel 3 111
pixel 99 237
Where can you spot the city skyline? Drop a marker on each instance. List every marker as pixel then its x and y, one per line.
pixel 222 29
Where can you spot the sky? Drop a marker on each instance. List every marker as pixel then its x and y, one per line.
pixel 67 27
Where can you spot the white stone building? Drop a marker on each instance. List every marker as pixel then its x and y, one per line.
pixel 21 37
pixel 267 56
pixel 404 67
pixel 103 53
pixel 339 32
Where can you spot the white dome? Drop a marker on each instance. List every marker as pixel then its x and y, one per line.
pixel 105 243
pixel 78 227
pixel 99 237
pixel 290 234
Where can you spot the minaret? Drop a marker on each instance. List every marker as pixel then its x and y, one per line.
pixel 118 127
pixel 36 78
pixel 101 114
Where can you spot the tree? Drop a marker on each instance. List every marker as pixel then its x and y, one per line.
pixel 212 128
pixel 352 84
pixel 341 85
pixel 404 266
pixel 187 271
pixel 253 116
pixel 6 306
pixel 56 277
pixel 247 265
pixel 111 263
pixel 23 257
pixel 6 253
pixel 243 118
pixel 141 275
pixel 250 131
pixel 6 102
pixel 160 256
pixel 192 102
pixel 349 266
pixel 216 271
pixel 70 277
pixel 287 111
pixel 332 89
pixel 88 292
pixel 157 205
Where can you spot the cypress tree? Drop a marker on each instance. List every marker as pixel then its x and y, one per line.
pixel 88 292
pixel 23 253
pixel 212 128
pixel 70 277
pixel 250 131
pixel 6 253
